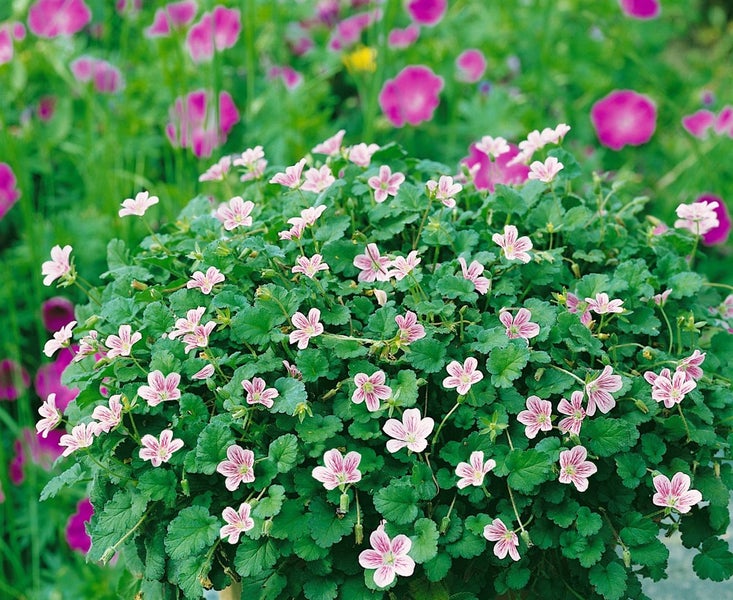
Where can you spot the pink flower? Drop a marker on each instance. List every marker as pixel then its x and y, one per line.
pixel 235 213
pixel 348 32
pixel 599 391
pixel 507 541
pixel 661 299
pixel 409 330
pixel 160 388
pixel 76 532
pixel 51 416
pixel 386 184
pixel 374 267
pixel 205 282
pixel 9 194
pixel 311 214
pixel 412 431
pixel 719 233
pixel 471 65
pixel 546 171
pixel 668 388
pixel 253 160
pixel 58 266
pixel 690 366
pixel 46 108
pixel 472 273
pixel 698 123
pixel 331 146
pixel 698 217
pixel 537 417
pixel 641 9
pixel 199 337
pixel 318 180
pixel 310 266
pixel 339 470
pixel 238 468
pixel 474 471
pixel 444 190
pixel 602 305
pixel 238 521
pixel 173 15
pixel 575 305
pixel 575 469
pixel 307 328
pixel 81 436
pixel 218 171
pixel 107 78
pixel 14 379
pixel 219 30
pixel 402 266
pixel 292 370
pixel 121 345
pixel 370 389
pixel 403 38
pixel 57 312
pixel 624 117
pixel 295 232
pixel 204 373
pixel 574 410
pixel 291 177
pixel 107 417
pixel 48 379
pixel 159 450
pixel 486 174
pixel 426 12
pixel 142 202
pixel 6 43
pixel 412 96
pixel 388 557
pixel 724 121
pixel 290 77
pixel 675 494
pixel 61 339
pixel 462 376
pixel 514 247
pixel 492 147
pixel 187 325
pixel 361 154
pixel 52 18
pixel 257 393
pixel 519 326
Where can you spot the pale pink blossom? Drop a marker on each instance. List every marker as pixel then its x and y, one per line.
pixel 51 416
pixel 471 65
pixel 292 370
pixel 698 217
pixel 699 122
pixel 661 299
pixel 311 214
pixel 514 247
pixel 599 391
pixel 444 190
pixel 690 366
pixel 107 417
pixel 339 470
pixel 537 417
pixel 675 494
pixel 159 450
pixel 238 521
pixel 205 282
pixel 575 469
pixel 121 345
pixel 373 266
pixel 601 304
pixel 381 297
pixel 199 337
pixel 575 411
pixel 318 180
pixel 253 160
pixel 187 324
pixel 58 266
pixel 137 206
pixel 474 471
pixel 61 339
pixel 218 171
pixel 409 330
pixel 307 328
pixel 295 232
pixel 331 146
pixel 462 376
pixel 160 388
pixel 310 266
pixel 668 388
pixel 259 393
pixel 291 177
pixel 361 154
pixel 412 96
pixel 519 326
pixel 235 213
pixel 575 306
pixel 507 541
pixel 411 432
pixel 204 373
pixel 370 389
pixel 402 266
pixel 238 468
pixel 486 173
pixel 389 557
pixel 718 234
pixel 386 184
pixel 545 171
pixel 81 436
pixel 88 345
pixel 492 146
pixel 473 273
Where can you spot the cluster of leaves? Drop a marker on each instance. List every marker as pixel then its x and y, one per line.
pixel 587 239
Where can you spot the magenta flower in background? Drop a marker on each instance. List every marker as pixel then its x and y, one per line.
pixel 259 393
pixel 76 533
pixel 43 452
pixel 388 556
pixel 624 117
pixel 339 470
pixel 238 521
pixel 575 469
pixel 121 345
pixel 205 281
pixel 599 391
pixel 699 122
pixel 403 38
pixel 175 15
pixel 160 388
pixel 409 330
pixel 412 432
pixel 507 541
pixel 473 471
pixel 9 193
pixel 519 326
pixel 46 108
pixel 14 379
pixel 471 65
pixel 235 213
pixel 139 205
pixel 386 184
pixel 6 44
pixel 537 417
pixel 238 468
pixel 427 12
pixel 217 30
pixel 81 436
pixel 412 96
pixel 48 380
pixel 574 411
pixel 52 18
pixel 462 376
pixel 161 449
pixel 373 266
pixel 57 312
pixel 641 9
pixel 724 121
pixel 719 233
pixel 348 32
pixel 675 494
pixel 307 328
pixel 487 173
pixel 370 389
pixel 107 78
pixel 290 77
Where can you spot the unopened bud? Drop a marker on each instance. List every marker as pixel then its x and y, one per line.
pixel 266 526
pixel 627 558
pixel 107 555
pixel 359 533
pixel 524 534
pixel 444 524
pixel 647 353
pixel 641 406
pixel 138 285
pixel 344 503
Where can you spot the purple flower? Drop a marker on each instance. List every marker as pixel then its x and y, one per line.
pixel 427 12
pixel 624 117
pixel 43 452
pixel 173 15
pixel 471 65
pixel 48 380
pixel 106 78
pixel 699 122
pixel 56 313
pixel 14 379
pixel 487 173
pixel 641 9
pixel 76 533
pixel 718 234
pixel 9 194
pixel 52 18
pixel 412 96
pixel 216 30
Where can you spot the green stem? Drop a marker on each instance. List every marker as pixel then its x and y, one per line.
pixel 437 432
pixel 684 422
pixel 112 550
pixel 669 329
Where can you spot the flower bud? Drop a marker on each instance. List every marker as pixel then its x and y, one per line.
pixel 524 534
pixel 138 285
pixel 359 533
pixel 266 527
pixel 627 558
pixel 444 524
pixel 641 406
pixel 344 503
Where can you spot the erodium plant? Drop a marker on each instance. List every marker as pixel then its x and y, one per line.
pixel 362 377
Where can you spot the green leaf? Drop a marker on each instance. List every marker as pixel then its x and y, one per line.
pixel 452 286
pixel 212 444
pixel 610 436
pixel 685 284
pixel 255 556
pixel 190 532
pixel 271 505
pixel 404 390
pixel 651 554
pixel 326 527
pixel 397 502
pixel 185 573
pixel 320 588
pixel 588 523
pixel 427 355
pixel 506 364
pixel 437 567
pixel 638 530
pixel 284 451
pixel 608 580
pixel 425 543
pixel 158 484
pixel 715 560
pixel 630 468
pixel 564 513
pixel 488 339
pixel 115 520
pixel 253 325
pixel 292 393
pixel 72 475
pixel 158 319
pixel 318 428
pixel 312 363
pixel 528 469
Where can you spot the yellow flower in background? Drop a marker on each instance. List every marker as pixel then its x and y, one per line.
pixel 361 59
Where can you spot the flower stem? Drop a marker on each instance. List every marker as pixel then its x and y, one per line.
pixel 112 550
pixel 684 422
pixel 445 418
pixel 573 375
pixel 669 328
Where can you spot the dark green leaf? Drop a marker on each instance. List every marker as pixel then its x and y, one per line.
pixel 190 532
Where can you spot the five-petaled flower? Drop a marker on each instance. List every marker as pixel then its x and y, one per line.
pixel 51 415
pixel 259 393
pixel 361 154
pixel 238 521
pixel 601 304
pixel 409 330
pixel 107 417
pixel 238 468
pixel 444 190
pixel 59 265
pixel 254 162
pixel 698 217
pixel 514 247
pixel 545 171
pixel 160 388
pixel 81 436
pixel 599 391
pixel 462 376
pixel 575 469
pixel 187 324
pixel 675 494
pixel 575 305
pixel 370 389
pixel 575 411
pixel 690 366
pixel 291 177
pixel 121 345
pixel 318 179
pixel 235 213
pixel 306 327
pixel 205 282
pixel 388 557
pixel 199 337
pixel 668 388
pixel 519 326
pixel 331 146
pixel 412 431
pixel 506 540
pixel 218 171
pixel 310 266
pixel 537 417
pixel 386 184
pixel 61 339
pixel 492 146
pixel 474 471
pixel 339 470
pixel 159 450
pixel 402 266
pixel 473 273
pixel 137 206
pixel 373 266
